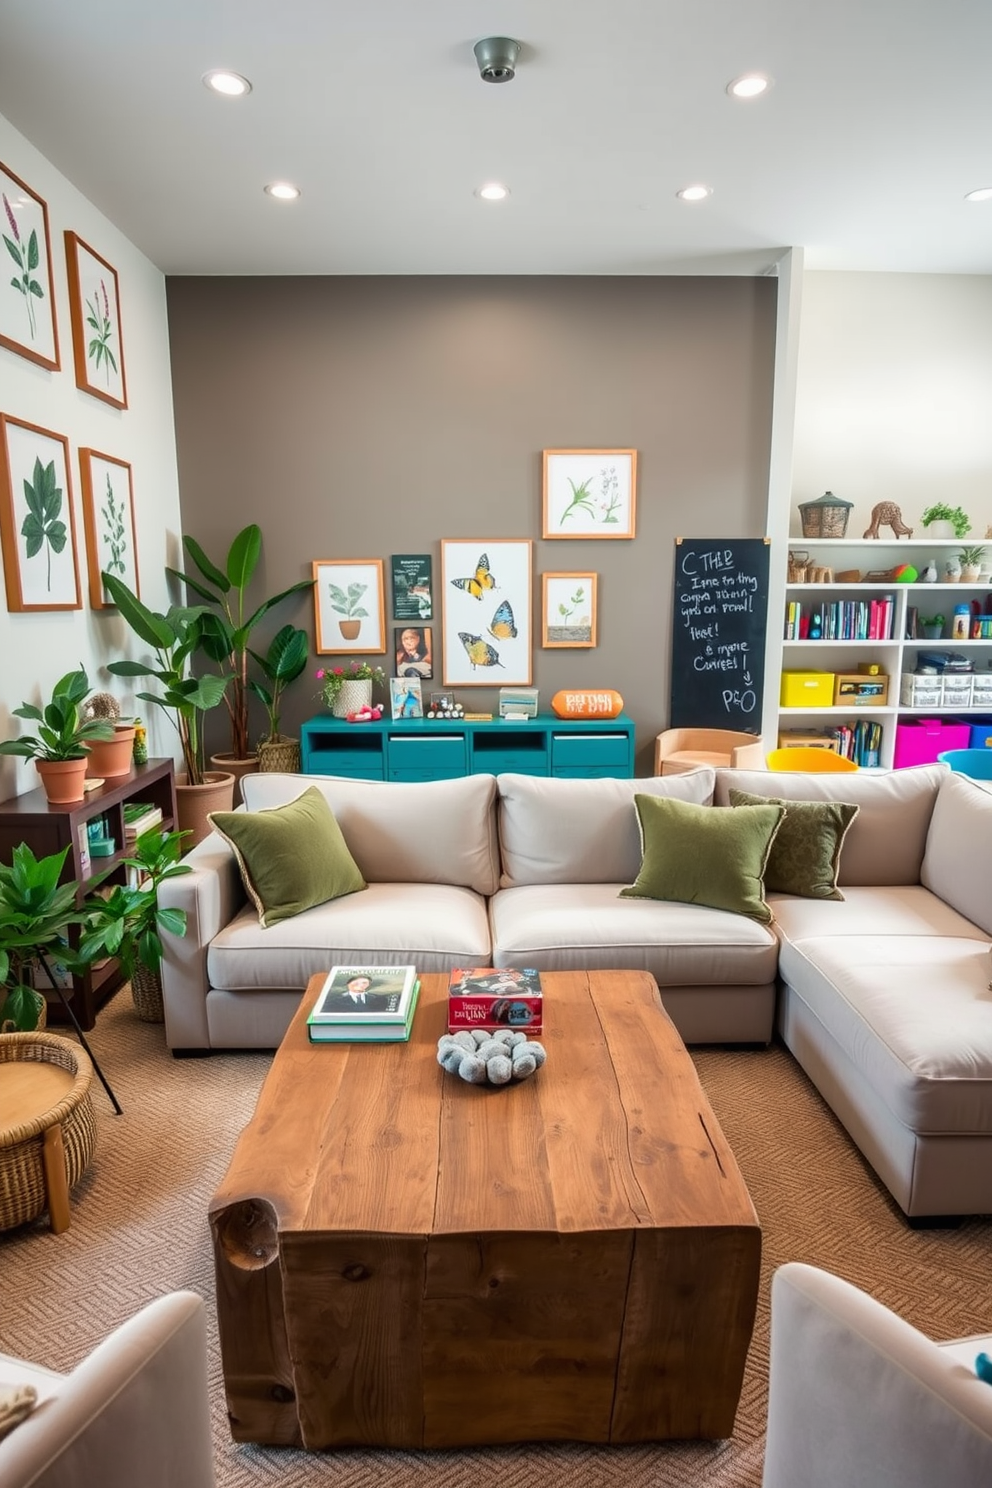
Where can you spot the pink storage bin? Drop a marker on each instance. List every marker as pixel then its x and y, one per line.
pixel 920 742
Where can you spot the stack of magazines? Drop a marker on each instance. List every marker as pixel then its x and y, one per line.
pixel 363 1004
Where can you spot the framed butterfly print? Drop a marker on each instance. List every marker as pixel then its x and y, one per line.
pixel 108 521
pixel 486 612
pixel 37 523
pixel 27 296
pixel 95 312
pixel 569 605
pixel 589 492
pixel 349 614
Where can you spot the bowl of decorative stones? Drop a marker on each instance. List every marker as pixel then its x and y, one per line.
pixel 482 1057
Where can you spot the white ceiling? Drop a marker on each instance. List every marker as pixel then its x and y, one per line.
pixel 879 121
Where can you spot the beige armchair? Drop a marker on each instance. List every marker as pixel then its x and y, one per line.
pixel 135 1411
pixel 681 749
pixel 859 1399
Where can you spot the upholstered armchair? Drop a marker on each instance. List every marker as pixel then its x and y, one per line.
pixel 681 749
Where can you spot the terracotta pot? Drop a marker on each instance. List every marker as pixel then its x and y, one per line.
pixel 229 764
pixel 110 758
pixel 193 802
pixel 62 779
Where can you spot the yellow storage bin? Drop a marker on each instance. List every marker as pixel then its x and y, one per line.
pixel 807 689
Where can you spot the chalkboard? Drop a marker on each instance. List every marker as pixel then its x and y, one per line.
pixel 718 632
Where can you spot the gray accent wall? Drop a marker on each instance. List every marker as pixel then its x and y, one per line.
pixel 361 417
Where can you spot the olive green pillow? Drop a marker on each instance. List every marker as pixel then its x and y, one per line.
pixel 805 855
pixel 705 854
pixel 291 857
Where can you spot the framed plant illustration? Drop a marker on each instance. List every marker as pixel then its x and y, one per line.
pixel 486 612
pixel 37 525
pixel 569 605
pixel 27 296
pixel 589 492
pixel 349 614
pixel 95 311
pixel 108 521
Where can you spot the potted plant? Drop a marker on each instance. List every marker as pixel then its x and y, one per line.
pixel 36 912
pixel 942 520
pixel 932 627
pixel 127 922
pixel 283 663
pixel 971 562
pixel 59 749
pixel 227 642
pixel 110 758
pixel 348 689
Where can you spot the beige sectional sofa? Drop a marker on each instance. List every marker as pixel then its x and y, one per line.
pixel 883 998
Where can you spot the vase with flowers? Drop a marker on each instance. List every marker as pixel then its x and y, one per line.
pixel 348 689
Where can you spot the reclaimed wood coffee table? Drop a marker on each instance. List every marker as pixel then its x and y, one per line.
pixel 406 1260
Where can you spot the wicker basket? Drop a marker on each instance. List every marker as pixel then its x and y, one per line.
pixel 146 990
pixel 23 1194
pixel 280 753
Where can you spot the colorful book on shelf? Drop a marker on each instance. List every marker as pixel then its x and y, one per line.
pixel 140 817
pixel 378 995
pixel 376 1027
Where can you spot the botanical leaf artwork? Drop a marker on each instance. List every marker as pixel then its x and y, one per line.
pixel 347 602
pixel 114 532
pixel 27 258
pixel 566 611
pixel 98 318
pixel 601 506
pixel 43 526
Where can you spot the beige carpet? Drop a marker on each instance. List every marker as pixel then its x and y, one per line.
pixel 139 1229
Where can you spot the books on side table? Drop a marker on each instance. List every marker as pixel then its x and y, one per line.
pixel 365 1004
pixel 139 817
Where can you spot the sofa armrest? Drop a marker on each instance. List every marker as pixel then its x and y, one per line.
pixel 211 895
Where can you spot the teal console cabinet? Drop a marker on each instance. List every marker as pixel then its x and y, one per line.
pixel 441 749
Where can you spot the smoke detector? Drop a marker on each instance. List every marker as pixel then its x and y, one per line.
pixel 497 58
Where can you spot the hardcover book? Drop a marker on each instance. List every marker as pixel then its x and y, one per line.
pixel 495 997
pixel 380 1028
pixel 378 995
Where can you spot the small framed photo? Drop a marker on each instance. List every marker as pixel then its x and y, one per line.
pixel 27 298
pixel 37 523
pixel 413 651
pixel 442 702
pixel 405 697
pixel 412 584
pixel 569 605
pixel 95 312
pixel 108 521
pixel 486 611
pixel 348 608
pixel 589 492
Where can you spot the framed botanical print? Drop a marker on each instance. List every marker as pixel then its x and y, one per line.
pixel 569 605
pixel 486 610
pixel 27 293
pixel 37 524
pixel 108 521
pixel 589 492
pixel 95 312
pixel 348 605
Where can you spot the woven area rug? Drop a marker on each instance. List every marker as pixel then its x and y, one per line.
pixel 139 1229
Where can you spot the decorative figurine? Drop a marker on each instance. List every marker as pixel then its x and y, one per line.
pixel 929 574
pixel 887 514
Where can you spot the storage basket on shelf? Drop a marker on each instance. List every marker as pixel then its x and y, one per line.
pixel 825 517
pixel 48 1126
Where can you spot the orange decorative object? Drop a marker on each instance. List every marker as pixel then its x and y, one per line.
pixel 604 703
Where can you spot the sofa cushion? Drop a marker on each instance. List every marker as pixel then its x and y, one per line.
pixel 958 860
pixel 886 843
pixel 432 831
pixel 291 856
pixel 904 910
pixel 705 854
pixel 555 830
pixel 805 854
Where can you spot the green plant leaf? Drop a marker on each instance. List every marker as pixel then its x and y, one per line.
pixel 209 570
pixel 242 559
pixel 150 627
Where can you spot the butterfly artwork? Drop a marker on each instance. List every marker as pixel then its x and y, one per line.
pixel 478 651
pixel 482 581
pixel 502 626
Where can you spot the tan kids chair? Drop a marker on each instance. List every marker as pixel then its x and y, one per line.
pixel 681 749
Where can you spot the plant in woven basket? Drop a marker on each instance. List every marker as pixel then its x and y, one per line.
pixel 36 914
pixel 127 922
pixel 284 661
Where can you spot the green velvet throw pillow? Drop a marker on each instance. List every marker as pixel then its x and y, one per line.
pixel 705 854
pixel 805 855
pixel 291 857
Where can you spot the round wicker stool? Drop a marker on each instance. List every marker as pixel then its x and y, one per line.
pixel 47 1126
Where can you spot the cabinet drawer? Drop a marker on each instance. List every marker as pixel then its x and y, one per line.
pixel 577 752
pixel 426 756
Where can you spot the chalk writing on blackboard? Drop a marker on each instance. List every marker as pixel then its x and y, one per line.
pixel 718 633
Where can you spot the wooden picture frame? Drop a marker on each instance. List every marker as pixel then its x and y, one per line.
pixel 349 613
pixel 95 314
pixel 589 493
pixel 108 522
pixel 37 519
pixel 569 605
pixel 28 323
pixel 486 611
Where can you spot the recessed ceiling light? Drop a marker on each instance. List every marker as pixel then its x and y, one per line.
pixel 984 193
pixel 750 85
pixel 493 191
pixel 230 84
pixel 695 193
pixel 282 190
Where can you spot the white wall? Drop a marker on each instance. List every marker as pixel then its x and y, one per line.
pixel 894 393
pixel 36 649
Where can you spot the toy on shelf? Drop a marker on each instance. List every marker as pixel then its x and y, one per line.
pixel 366 715
pixel 887 514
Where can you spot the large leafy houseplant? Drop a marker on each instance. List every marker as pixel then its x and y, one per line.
pixel 63 731
pixel 36 914
pixel 227 643
pixel 127 922
pixel 284 661
pixel 174 637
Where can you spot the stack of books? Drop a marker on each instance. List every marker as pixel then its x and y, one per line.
pixel 140 817
pixel 365 1004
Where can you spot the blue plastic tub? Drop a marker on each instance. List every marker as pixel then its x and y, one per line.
pixel 974 762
